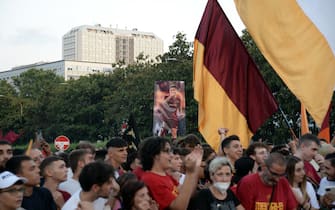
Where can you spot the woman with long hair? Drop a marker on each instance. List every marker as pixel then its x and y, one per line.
pixel 302 189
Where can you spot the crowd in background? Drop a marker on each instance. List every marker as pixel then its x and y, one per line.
pixel 178 175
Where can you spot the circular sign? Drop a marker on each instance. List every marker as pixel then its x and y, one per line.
pixel 62 143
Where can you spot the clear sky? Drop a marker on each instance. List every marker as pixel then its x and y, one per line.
pixel 32 30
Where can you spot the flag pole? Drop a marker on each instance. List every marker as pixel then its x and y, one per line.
pixel 287 123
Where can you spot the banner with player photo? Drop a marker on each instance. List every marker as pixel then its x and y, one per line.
pixel 169 109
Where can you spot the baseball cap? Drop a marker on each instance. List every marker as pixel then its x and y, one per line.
pixel 8 179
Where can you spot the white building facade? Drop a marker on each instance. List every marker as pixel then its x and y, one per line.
pixel 109 45
pixel 67 69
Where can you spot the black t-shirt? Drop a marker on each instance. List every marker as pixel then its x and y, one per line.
pixel 204 200
pixel 41 199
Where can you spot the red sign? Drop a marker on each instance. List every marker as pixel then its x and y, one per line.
pixel 62 143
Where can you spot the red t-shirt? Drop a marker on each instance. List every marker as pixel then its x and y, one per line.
pixel 138 171
pixel 311 174
pixel 163 189
pixel 255 195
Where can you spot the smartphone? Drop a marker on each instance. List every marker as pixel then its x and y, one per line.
pixel 330 189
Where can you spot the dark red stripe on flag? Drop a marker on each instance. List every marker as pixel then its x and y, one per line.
pixel 230 64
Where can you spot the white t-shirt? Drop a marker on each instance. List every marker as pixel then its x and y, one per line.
pixel 311 194
pixel 324 183
pixel 72 203
pixel 71 186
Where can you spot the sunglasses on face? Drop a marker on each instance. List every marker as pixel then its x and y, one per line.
pixel 275 174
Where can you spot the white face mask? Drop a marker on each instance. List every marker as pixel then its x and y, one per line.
pixel 221 186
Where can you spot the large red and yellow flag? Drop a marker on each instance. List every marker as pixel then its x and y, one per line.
pixel 230 90
pixel 297 37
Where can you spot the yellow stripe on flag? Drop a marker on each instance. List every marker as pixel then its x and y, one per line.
pixel 295 48
pixel 215 107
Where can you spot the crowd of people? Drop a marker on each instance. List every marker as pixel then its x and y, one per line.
pixel 184 174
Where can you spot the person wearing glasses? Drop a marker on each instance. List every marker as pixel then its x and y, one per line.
pixel 34 197
pixel 11 191
pixel 267 189
pixel 156 155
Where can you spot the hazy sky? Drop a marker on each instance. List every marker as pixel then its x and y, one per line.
pixel 32 30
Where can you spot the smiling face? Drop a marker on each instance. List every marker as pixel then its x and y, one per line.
pixel 106 188
pixel 234 150
pixel 329 170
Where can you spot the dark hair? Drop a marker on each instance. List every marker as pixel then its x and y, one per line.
pixel 149 148
pixel 191 140
pixel 65 157
pixel 75 156
pixel 95 173
pixel 251 150
pixel 18 151
pixel 226 142
pixel 5 142
pixel 309 138
pixel 176 151
pixel 242 168
pixel 125 178
pixel 100 154
pixel 14 163
pixel 86 145
pixel 48 161
pixel 128 193
pixel 331 158
pixel 184 151
pixel 116 142
pixel 282 149
pixel 132 155
pixel 208 150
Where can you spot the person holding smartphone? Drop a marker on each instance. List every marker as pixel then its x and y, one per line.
pixel 327 185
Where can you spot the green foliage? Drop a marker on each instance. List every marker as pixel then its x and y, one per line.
pixel 93 108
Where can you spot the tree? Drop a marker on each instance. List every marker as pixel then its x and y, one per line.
pixel 34 88
pixel 180 49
